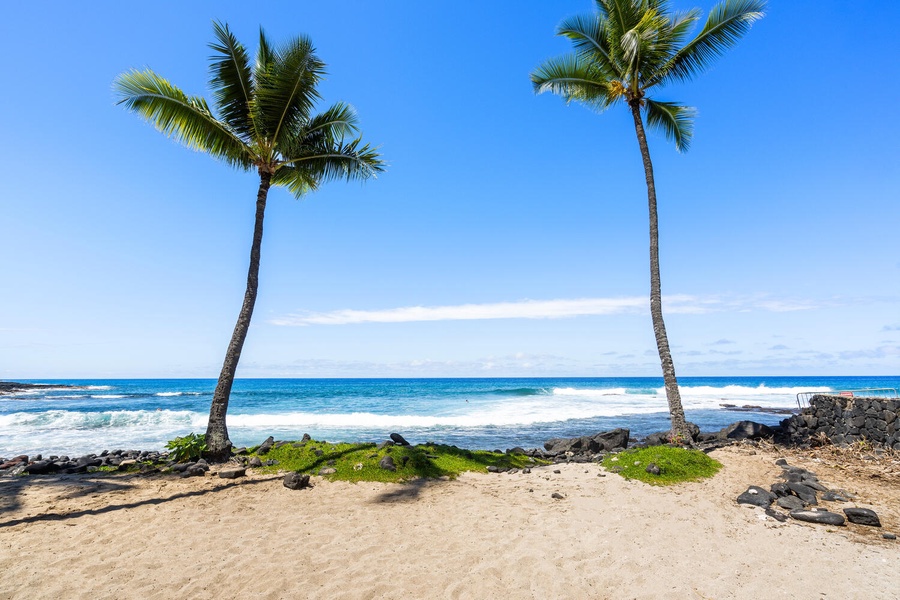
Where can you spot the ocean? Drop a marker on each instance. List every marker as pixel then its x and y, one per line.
pixel 478 413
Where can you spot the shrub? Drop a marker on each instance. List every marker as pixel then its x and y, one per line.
pixel 189 447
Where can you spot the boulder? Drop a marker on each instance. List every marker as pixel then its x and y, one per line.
pixel 653 469
pixel 862 516
pixel 822 517
pixel 609 440
pixel 398 439
pixel 790 503
pixel 254 462
pixel 804 492
pixel 266 445
pixel 756 496
pixel 387 463
pixel 232 473
pixel 746 430
pixel 41 467
pixel 780 489
pixel 296 481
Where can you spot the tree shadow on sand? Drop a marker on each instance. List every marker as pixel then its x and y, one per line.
pixel 80 486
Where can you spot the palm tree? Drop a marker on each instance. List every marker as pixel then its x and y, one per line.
pixel 622 52
pixel 264 121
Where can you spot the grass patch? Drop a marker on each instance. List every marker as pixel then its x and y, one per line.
pixel 359 462
pixel 675 465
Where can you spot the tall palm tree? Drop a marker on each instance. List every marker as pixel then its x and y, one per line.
pixel 622 52
pixel 264 121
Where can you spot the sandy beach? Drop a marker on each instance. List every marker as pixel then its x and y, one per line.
pixel 480 536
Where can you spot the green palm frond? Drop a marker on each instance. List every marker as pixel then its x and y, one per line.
pixel 575 79
pixel 352 160
pixel 674 120
pixel 298 181
pixel 231 81
pixel 591 42
pixel 286 92
pixel 728 21
pixel 337 122
pixel 187 118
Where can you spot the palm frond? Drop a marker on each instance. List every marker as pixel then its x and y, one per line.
pixel 286 93
pixel 589 36
pixel 298 181
pixel 674 120
pixel 728 21
pixel 352 160
pixel 337 122
pixel 231 81
pixel 187 118
pixel 575 79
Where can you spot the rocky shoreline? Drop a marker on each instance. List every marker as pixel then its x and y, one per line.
pixel 11 387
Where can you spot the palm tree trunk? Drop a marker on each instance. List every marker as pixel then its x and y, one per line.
pixel 676 412
pixel 217 443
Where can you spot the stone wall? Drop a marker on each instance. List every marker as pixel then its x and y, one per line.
pixel 846 420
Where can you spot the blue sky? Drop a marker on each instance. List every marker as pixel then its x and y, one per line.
pixel 508 236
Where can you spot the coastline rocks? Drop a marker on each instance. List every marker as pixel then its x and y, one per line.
pixel 387 463
pixel 589 444
pixel 823 517
pixel 863 516
pixel 398 439
pixel 746 430
pixel 266 445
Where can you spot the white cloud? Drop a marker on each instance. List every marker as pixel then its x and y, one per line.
pixel 536 309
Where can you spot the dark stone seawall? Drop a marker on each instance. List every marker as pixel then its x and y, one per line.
pixel 845 420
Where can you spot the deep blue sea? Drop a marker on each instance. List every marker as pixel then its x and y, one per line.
pixel 475 413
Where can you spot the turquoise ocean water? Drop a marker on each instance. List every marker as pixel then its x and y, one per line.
pixel 475 413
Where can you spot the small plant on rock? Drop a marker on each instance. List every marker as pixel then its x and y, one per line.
pixel 189 447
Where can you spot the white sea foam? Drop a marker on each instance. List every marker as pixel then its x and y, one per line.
pixel 170 393
pixel 108 396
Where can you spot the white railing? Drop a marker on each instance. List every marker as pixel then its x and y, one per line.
pixel 803 397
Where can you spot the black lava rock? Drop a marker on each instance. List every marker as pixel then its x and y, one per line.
pixel 822 517
pixel 756 496
pixel 232 473
pixel 399 439
pixel 387 463
pixel 296 481
pixel 862 516
pixel 266 445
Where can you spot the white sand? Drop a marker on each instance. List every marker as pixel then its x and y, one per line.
pixel 481 536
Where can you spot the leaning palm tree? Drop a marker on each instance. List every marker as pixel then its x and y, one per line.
pixel 622 52
pixel 264 121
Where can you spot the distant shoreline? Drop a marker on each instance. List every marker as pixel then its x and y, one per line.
pixel 11 387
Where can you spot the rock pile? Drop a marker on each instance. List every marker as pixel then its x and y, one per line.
pixel 145 461
pixel 799 493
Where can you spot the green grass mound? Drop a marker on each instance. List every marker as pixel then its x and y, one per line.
pixel 360 462
pixel 675 465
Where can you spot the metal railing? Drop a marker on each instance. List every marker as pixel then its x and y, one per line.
pixel 804 397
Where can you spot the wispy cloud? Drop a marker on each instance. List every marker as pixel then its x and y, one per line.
pixel 538 309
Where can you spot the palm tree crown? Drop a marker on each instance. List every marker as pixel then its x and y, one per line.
pixel 629 47
pixel 265 117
